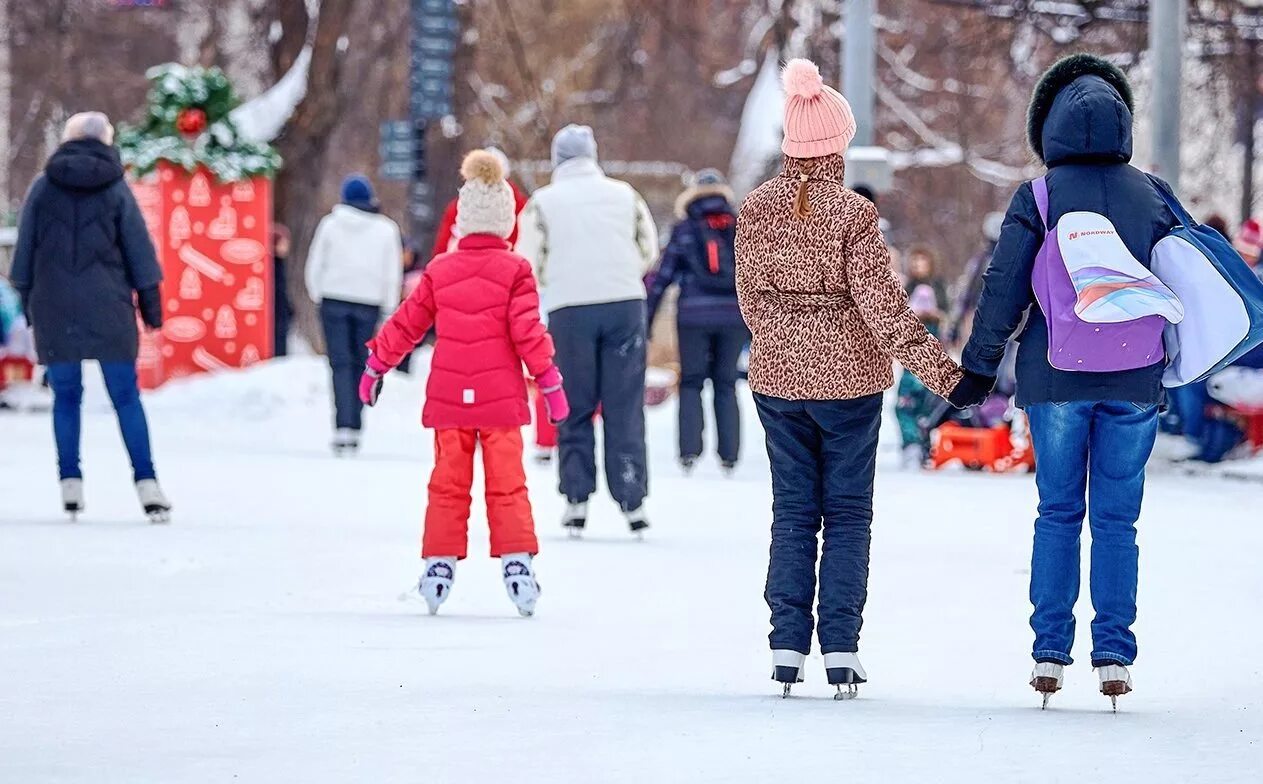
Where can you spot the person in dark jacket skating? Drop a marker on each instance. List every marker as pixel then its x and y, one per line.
pixel 83 265
pixel 700 258
pixel 1092 432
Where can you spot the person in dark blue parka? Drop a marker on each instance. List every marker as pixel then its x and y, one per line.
pixel 84 265
pixel 701 260
pixel 1092 432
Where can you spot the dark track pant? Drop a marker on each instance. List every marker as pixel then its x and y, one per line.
pixel 601 354
pixel 348 326
pixel 710 353
pixel 823 456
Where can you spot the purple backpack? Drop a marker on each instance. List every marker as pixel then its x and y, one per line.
pixel 1106 312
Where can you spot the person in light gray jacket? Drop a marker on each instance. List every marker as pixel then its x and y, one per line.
pixel 591 240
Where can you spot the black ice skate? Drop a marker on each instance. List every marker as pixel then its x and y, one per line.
pixel 787 669
pixel 845 671
pixel 636 522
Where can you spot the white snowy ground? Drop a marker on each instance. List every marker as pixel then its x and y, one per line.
pixel 261 636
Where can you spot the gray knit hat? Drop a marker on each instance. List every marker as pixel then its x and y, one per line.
pixel 573 141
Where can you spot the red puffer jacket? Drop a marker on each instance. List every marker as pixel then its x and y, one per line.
pixel 483 302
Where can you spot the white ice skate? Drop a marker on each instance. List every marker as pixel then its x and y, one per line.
pixel 156 505
pixel 575 518
pixel 346 442
pixel 436 584
pixel 72 497
pixel 519 581
pixel 845 671
pixel 787 669
pixel 912 458
pixel 636 522
pixel 1115 682
pixel 1047 679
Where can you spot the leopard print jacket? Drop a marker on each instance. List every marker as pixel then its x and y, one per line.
pixel 825 308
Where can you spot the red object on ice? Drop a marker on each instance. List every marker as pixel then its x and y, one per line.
pixel 213 242
pixel 15 369
pixel 981 449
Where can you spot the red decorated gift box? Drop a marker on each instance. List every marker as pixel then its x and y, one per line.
pixel 213 242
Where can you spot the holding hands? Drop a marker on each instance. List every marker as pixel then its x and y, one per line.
pixel 972 390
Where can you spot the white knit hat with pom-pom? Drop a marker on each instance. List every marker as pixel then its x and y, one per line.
pixel 818 120
pixel 485 204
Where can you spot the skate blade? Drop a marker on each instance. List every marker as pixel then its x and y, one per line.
pixel 1047 697
pixel 847 691
pixel 162 517
pixel 785 690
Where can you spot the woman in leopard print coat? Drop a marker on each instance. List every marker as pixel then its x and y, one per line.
pixel 827 315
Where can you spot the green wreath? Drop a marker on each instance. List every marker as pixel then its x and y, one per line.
pixel 188 123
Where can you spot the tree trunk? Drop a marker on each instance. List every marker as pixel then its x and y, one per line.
pixel 304 145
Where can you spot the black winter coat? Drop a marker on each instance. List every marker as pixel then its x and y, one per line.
pixel 1085 138
pixel 83 254
pixel 685 258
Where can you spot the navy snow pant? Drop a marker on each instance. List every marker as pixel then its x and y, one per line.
pixel 601 355
pixel 710 353
pixel 823 455
pixel 348 326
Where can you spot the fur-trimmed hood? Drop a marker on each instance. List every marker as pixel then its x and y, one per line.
pixel 1081 111
pixel 696 192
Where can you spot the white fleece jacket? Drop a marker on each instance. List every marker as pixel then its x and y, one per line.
pixel 590 239
pixel 356 256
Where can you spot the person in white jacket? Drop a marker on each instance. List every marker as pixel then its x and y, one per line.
pixel 591 241
pixel 355 273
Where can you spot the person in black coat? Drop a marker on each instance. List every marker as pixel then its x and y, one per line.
pixel 84 265
pixel 1092 432
pixel 701 259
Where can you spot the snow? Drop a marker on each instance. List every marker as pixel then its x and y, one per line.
pixel 261 636
pixel 262 118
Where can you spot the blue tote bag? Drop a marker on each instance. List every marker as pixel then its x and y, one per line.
pixel 1222 298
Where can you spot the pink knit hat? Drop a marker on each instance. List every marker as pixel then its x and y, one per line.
pixel 818 120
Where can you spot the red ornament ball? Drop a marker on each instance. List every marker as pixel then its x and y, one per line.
pixel 190 122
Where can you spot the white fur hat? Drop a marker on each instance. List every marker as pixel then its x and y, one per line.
pixel 485 204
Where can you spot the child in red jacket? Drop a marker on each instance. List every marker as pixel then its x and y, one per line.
pixel 482 301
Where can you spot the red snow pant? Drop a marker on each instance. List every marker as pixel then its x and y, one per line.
pixel 545 431
pixel 508 506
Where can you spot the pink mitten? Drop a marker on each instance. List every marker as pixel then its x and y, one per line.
pixel 550 387
pixel 371 381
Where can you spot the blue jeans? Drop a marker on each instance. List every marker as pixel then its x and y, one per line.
pixel 66 380
pixel 823 455
pixel 348 326
pixel 1096 449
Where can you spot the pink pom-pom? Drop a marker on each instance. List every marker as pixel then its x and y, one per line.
pixel 802 79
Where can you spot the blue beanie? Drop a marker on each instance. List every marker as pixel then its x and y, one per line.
pixel 357 191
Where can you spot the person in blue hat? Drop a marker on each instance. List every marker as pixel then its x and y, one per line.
pixel 355 274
